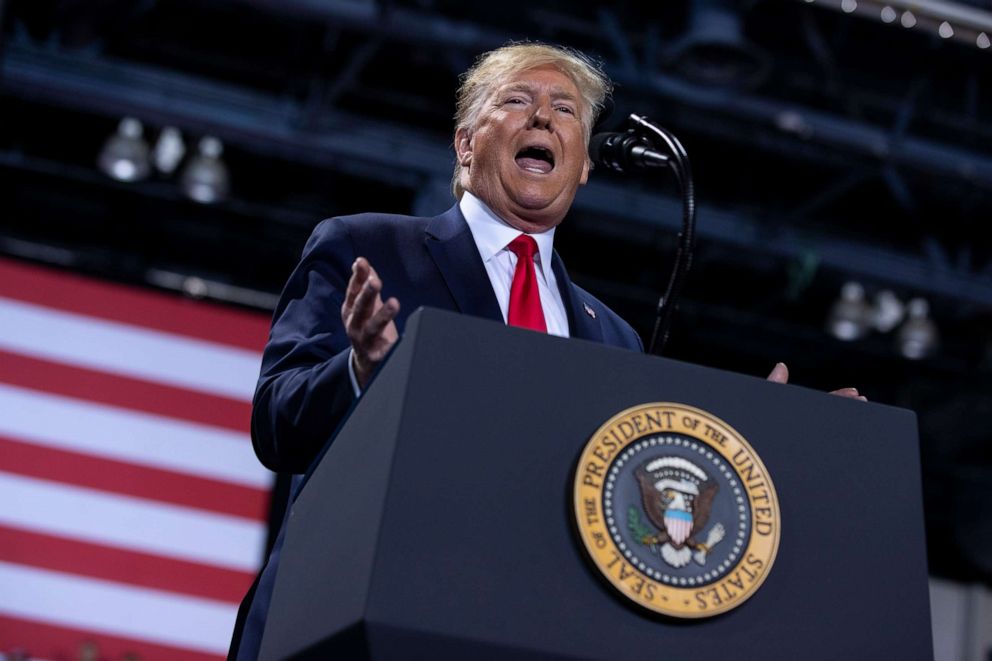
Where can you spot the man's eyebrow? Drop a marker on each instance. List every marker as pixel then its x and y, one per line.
pixel 519 86
pixel 523 86
pixel 560 93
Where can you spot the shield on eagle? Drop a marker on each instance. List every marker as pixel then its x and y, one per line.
pixel 678 523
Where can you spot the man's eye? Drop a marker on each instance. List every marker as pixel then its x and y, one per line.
pixel 566 109
pixel 515 99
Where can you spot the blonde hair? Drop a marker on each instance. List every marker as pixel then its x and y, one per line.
pixel 493 68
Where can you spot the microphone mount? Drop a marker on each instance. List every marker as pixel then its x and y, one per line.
pixel 624 152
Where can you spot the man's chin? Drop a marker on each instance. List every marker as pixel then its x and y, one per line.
pixel 540 213
pixel 544 200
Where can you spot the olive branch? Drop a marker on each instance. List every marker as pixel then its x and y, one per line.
pixel 637 527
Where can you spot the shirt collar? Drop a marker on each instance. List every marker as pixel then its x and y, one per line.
pixel 492 233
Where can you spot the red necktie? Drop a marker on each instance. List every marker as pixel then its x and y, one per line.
pixel 525 299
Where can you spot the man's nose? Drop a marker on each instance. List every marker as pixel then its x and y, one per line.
pixel 542 115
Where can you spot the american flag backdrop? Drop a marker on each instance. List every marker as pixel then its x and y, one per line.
pixel 132 508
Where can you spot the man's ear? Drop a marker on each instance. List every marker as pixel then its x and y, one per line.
pixel 585 171
pixel 463 147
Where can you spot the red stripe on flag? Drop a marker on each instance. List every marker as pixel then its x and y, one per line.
pixel 132 567
pixel 47 641
pixel 132 480
pixel 125 392
pixel 131 305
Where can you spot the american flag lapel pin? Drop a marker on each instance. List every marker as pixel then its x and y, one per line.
pixel 589 310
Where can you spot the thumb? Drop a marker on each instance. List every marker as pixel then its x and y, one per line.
pixel 779 374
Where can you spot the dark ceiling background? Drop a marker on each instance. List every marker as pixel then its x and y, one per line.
pixel 827 146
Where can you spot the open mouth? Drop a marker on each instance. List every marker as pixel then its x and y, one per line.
pixel 535 159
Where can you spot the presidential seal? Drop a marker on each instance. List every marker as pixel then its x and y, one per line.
pixel 676 510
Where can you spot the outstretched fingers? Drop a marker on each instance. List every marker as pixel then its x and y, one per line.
pixel 360 271
pixel 368 321
pixel 375 334
pixel 365 305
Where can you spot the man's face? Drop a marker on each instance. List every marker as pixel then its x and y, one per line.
pixel 526 155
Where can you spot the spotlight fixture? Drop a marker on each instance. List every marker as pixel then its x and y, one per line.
pixel 887 311
pixel 204 287
pixel 205 178
pixel 194 287
pixel 850 317
pixel 918 337
pixel 169 150
pixel 124 156
pixel 714 51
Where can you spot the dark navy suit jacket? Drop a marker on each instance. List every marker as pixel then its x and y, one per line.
pixel 304 391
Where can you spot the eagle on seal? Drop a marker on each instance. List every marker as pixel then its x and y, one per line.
pixel 678 496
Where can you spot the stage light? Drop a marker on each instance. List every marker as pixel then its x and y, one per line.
pixel 790 121
pixel 169 150
pixel 850 317
pixel 714 50
pixel 194 287
pixel 199 287
pixel 124 156
pixel 205 178
pixel 918 337
pixel 887 311
pixel 949 19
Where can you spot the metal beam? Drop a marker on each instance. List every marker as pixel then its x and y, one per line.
pixel 950 20
pixel 420 27
pixel 401 156
pixel 395 22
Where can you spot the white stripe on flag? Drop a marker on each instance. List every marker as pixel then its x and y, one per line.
pixel 132 523
pixel 115 608
pixel 129 350
pixel 126 435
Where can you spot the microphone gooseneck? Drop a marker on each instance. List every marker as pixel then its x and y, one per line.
pixel 644 146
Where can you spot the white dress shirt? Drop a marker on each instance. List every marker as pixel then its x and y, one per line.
pixel 492 235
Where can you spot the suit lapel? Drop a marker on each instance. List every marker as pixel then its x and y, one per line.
pixel 582 322
pixel 456 256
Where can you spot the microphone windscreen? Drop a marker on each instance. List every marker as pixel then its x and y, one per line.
pixel 596 145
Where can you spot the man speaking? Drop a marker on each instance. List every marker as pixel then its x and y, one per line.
pixel 523 121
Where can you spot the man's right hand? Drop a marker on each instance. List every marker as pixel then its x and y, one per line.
pixel 367 320
pixel 780 374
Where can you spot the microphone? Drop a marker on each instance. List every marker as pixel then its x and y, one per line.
pixel 624 152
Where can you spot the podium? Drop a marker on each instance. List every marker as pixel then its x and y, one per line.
pixel 439 523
